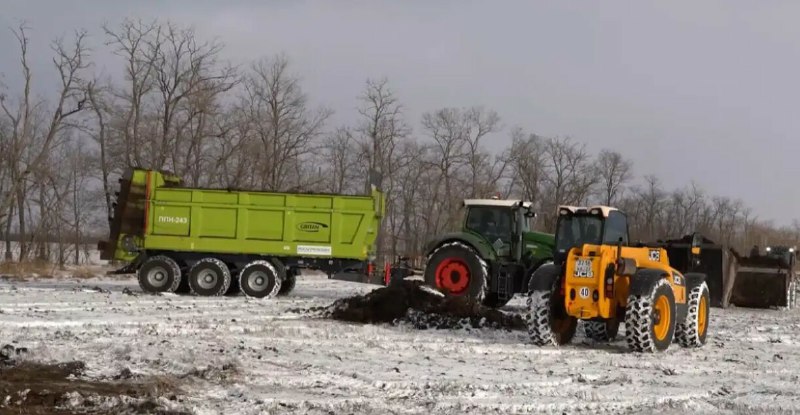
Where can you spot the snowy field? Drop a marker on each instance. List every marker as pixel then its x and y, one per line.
pixel 287 361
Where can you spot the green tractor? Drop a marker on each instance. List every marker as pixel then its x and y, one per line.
pixel 493 256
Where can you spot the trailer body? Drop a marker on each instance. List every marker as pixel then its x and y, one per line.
pixel 156 215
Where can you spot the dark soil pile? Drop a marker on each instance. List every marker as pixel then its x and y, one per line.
pixel 409 301
pixel 37 388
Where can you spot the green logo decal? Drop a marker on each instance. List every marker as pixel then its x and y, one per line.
pixel 312 227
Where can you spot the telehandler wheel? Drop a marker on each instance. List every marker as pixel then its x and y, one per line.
pixel 601 331
pixel 259 279
pixel 457 270
pixel 159 274
pixel 692 331
pixel 650 319
pixel 209 277
pixel 547 319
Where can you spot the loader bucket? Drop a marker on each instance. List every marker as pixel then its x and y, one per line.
pixel 762 282
pixel 716 261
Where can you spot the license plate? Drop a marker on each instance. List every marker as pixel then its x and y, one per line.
pixel 583 268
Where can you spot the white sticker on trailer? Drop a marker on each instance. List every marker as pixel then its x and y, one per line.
pixel 314 250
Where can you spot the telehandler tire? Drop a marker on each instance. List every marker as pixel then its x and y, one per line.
pixel 691 332
pixel 547 319
pixel 601 331
pixel 159 274
pixel 457 270
pixel 650 319
pixel 209 277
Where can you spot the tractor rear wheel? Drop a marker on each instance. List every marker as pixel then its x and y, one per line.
pixel 650 319
pixel 692 331
pixel 547 318
pixel 260 279
pixel 601 331
pixel 159 274
pixel 209 277
pixel 457 270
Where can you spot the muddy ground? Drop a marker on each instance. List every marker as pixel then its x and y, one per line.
pixel 409 301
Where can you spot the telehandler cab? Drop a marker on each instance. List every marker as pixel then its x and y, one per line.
pixel 599 278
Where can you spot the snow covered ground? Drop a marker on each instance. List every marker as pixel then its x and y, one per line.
pixel 290 362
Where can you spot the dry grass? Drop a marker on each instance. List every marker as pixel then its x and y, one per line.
pixel 27 269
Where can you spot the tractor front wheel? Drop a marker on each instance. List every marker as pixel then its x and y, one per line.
pixel 457 270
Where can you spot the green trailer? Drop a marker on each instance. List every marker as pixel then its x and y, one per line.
pixel 213 242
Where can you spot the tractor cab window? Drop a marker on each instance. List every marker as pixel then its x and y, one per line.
pixel 491 222
pixel 616 227
pixel 577 230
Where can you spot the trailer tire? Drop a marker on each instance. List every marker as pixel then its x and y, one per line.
pixel 259 279
pixel 692 331
pixel 234 288
pixel 288 283
pixel 209 277
pixel 159 274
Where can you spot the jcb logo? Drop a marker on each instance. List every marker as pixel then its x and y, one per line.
pixel 655 255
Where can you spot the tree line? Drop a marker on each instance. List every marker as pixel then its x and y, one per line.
pixel 178 106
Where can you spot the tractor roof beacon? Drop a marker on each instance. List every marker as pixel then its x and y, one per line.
pixel 492 256
pixel 598 277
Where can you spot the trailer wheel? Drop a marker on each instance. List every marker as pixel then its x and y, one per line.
pixel 692 331
pixel 650 319
pixel 159 274
pixel 259 279
pixel 457 270
pixel 209 277
pixel 288 283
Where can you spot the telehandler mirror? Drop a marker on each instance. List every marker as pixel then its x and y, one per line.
pixel 530 214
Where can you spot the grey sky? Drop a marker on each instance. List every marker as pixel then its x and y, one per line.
pixel 704 91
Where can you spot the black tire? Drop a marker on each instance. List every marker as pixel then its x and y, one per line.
pixel 183 286
pixel 601 331
pixel 234 289
pixel 547 319
pixel 457 270
pixel 692 331
pixel 209 277
pixel 491 300
pixel 259 279
pixel 288 283
pixel 159 274
pixel 642 321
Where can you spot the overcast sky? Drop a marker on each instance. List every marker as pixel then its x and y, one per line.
pixel 690 90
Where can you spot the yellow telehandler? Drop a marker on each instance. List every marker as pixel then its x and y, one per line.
pixel 598 277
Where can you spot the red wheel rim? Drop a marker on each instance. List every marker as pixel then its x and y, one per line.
pixel 452 276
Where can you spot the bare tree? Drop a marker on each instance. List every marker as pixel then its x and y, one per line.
pixel 614 172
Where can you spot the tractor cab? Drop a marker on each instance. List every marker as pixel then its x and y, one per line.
pixel 783 253
pixel 597 225
pixel 502 223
